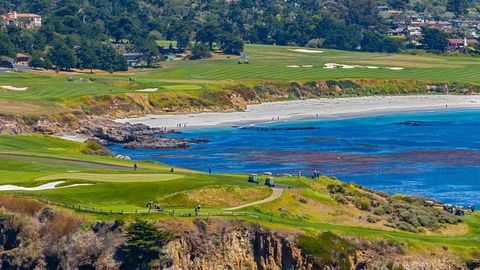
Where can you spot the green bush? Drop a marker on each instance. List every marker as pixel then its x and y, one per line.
pixel 364 204
pixel 341 199
pixel 373 219
pixel 329 251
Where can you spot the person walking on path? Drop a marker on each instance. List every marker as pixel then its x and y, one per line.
pixel 135 167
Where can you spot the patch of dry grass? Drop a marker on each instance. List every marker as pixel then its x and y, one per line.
pixel 20 205
pixel 216 197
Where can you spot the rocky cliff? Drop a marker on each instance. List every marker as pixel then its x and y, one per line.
pixel 34 236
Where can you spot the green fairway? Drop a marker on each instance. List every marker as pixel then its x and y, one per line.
pixel 267 63
pixel 272 63
pixel 112 177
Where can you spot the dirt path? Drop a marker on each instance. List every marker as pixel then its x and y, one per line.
pixel 277 192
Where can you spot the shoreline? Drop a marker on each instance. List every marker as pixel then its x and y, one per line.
pixel 322 108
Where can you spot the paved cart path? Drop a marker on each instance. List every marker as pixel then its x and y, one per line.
pixel 277 192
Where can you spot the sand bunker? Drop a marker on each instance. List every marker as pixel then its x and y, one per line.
pixel 9 87
pixel 335 65
pixel 306 51
pixel 147 90
pixel 52 185
pixel 297 66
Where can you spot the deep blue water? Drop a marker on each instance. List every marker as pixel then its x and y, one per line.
pixel 434 154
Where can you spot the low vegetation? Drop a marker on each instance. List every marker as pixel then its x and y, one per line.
pixel 402 212
pixel 328 250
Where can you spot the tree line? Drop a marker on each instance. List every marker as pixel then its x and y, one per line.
pixel 207 25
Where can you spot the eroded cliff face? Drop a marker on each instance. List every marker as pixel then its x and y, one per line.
pixel 234 247
pixel 34 236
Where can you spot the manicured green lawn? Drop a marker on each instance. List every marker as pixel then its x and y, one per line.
pixel 267 63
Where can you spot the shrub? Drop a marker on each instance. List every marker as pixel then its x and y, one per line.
pixel 372 219
pixel 62 224
pixel 46 214
pixel 341 199
pixel 337 188
pixel 284 212
pixel 401 225
pixel 364 204
pixel 409 217
pixel 379 211
pixel 329 250
pixel 95 148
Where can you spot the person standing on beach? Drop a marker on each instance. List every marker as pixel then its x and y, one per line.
pixel 209 170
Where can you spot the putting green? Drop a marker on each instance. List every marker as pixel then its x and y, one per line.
pixel 113 177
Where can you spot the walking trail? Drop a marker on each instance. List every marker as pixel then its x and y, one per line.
pixel 277 192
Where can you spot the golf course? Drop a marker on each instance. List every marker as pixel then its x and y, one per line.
pixel 267 63
pixel 86 180
pixel 33 160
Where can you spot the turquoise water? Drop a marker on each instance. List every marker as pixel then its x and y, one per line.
pixel 435 154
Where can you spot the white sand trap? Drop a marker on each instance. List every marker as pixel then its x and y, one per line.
pixel 372 67
pixel 347 66
pixel 293 66
pixel 395 68
pixel 306 51
pixel 51 185
pixel 307 66
pixel 330 65
pixel 9 87
pixel 147 90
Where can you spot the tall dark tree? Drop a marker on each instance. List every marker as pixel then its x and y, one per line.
pixel 231 44
pixel 457 7
pixel 144 242
pixel 62 56
pixel 200 51
pixel 7 48
pixel 434 39
pixel 87 57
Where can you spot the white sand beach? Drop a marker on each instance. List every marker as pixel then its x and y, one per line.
pixel 312 108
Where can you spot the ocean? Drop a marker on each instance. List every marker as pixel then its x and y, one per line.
pixel 430 154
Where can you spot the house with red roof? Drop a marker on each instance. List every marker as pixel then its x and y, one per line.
pixel 24 20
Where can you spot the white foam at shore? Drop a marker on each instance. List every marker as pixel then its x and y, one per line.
pixel 312 108
pixel 51 185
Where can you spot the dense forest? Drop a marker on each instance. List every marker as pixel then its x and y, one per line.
pixel 80 30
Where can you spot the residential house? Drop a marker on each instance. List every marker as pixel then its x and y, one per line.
pixel 457 44
pixel 24 20
pixel 133 59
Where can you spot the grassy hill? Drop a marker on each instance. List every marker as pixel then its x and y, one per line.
pixel 306 204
